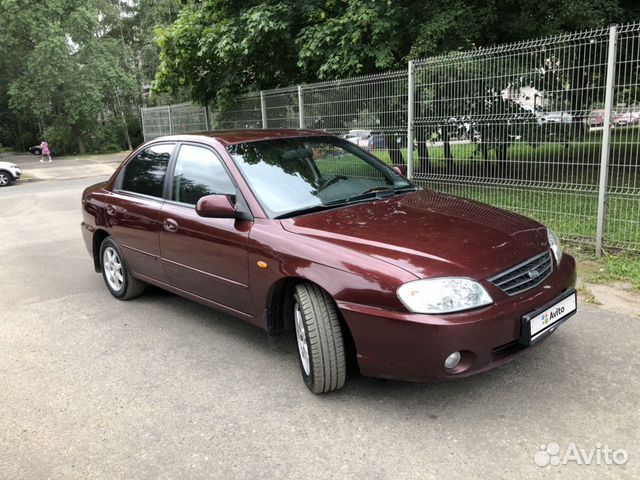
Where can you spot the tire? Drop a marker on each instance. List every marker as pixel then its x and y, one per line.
pixel 115 273
pixel 36 151
pixel 319 337
pixel 5 179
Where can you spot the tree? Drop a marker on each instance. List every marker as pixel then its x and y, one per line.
pixel 74 71
pixel 217 48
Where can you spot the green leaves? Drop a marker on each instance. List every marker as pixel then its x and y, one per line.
pixel 73 66
pixel 221 47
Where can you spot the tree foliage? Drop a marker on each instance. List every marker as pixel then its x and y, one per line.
pixel 73 71
pixel 217 48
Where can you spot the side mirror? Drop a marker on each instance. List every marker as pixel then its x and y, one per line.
pixel 400 169
pixel 215 206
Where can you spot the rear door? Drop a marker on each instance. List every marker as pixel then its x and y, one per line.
pixel 204 256
pixel 134 208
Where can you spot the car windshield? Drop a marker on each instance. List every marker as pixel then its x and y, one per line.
pixel 299 175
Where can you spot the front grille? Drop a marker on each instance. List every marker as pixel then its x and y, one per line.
pixel 524 276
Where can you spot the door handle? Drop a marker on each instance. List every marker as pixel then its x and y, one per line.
pixel 170 225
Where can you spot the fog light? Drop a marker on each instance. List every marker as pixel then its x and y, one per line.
pixel 452 361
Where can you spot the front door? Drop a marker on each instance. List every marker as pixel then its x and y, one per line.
pixel 204 256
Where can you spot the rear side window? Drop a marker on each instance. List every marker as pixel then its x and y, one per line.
pixel 146 171
pixel 199 172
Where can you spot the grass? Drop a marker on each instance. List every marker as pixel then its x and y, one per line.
pixel 623 267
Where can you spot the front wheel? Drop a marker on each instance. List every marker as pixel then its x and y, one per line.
pixel 319 339
pixel 5 179
pixel 116 274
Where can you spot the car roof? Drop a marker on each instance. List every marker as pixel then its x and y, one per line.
pixel 231 137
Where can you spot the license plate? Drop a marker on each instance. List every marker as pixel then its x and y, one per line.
pixel 540 323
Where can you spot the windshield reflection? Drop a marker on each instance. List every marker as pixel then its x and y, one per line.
pixel 292 175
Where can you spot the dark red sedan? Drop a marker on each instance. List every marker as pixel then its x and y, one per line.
pixel 302 232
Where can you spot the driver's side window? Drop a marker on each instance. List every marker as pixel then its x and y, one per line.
pixel 199 172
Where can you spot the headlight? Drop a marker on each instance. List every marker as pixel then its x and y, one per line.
pixel 554 243
pixel 443 295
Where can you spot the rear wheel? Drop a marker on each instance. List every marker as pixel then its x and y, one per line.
pixel 5 179
pixel 116 274
pixel 319 338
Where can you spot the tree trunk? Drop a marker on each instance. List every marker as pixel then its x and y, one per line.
pixel 126 130
pixel 118 104
pixel 447 148
pixel 19 139
pixel 424 165
pixel 81 146
pixel 501 154
pixel 395 155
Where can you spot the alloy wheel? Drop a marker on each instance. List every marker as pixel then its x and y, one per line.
pixel 113 269
pixel 301 337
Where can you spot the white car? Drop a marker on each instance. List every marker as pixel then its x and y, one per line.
pixel 555 117
pixel 9 173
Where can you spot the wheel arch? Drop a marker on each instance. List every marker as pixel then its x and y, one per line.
pixel 98 237
pixel 11 179
pixel 279 311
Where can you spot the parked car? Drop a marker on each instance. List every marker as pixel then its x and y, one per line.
pixel 618 119
pixel 9 173
pixel 36 150
pixel 304 233
pixel 621 119
pixel 596 118
pixel 555 117
pixel 369 140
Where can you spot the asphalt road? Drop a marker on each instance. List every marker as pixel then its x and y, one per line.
pixel 160 387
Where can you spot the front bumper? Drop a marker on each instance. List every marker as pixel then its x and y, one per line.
pixel 413 347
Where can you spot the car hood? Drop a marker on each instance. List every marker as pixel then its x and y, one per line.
pixel 429 234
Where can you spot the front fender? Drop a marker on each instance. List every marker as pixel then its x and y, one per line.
pixel 348 276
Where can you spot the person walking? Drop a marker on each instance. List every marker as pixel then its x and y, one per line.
pixel 45 150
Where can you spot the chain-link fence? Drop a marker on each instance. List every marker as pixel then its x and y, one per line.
pixel 525 126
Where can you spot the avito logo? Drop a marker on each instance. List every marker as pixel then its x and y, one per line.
pixel 547 317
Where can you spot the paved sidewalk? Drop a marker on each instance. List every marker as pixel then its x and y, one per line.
pixel 65 168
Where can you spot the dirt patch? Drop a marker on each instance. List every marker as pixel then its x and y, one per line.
pixel 616 296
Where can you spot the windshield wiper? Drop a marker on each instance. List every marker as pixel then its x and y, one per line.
pixel 406 188
pixel 310 209
pixel 378 193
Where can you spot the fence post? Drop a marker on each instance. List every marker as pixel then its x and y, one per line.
pixel 170 123
pixel 263 109
pixel 301 106
pixel 410 115
pixel 606 141
pixel 144 133
pixel 207 125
